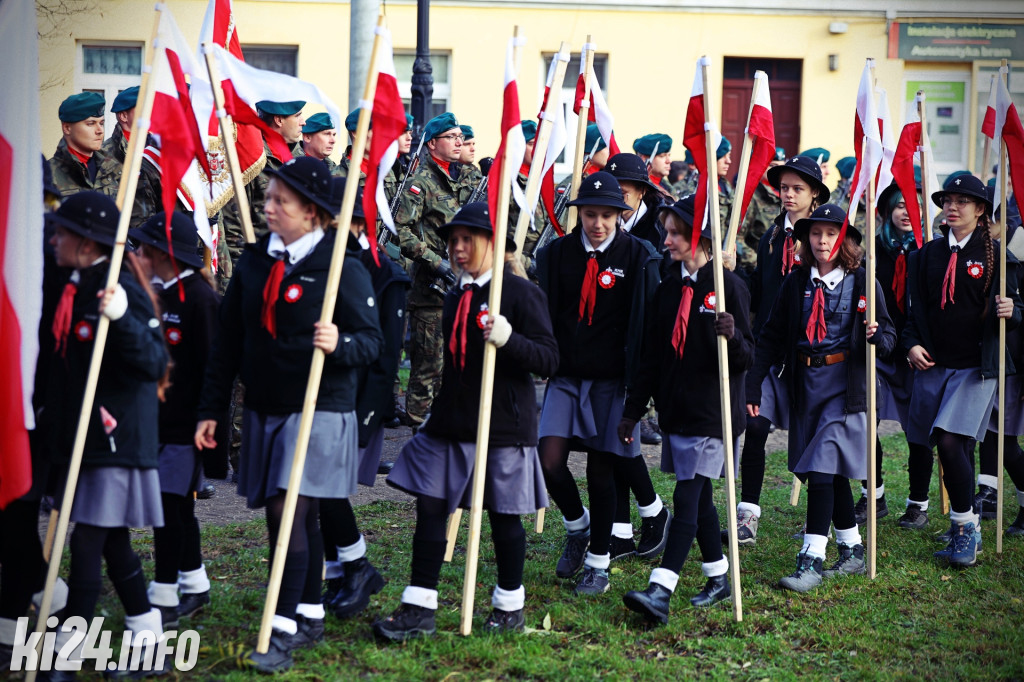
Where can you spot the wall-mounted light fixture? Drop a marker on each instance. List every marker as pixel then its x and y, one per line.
pixel 833 62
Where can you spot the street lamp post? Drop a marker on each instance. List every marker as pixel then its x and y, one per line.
pixel 422 73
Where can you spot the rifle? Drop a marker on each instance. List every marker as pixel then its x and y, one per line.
pixel 548 234
pixel 384 235
pixel 481 188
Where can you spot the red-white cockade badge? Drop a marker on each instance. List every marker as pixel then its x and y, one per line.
pixel 173 336
pixel 710 301
pixel 975 269
pixel 293 293
pixel 606 279
pixel 481 318
pixel 862 304
pixel 83 331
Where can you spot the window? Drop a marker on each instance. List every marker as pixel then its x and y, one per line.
pixel 563 166
pixel 280 58
pixel 108 68
pixel 440 62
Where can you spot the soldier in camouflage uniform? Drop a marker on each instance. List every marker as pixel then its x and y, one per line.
pixel 687 184
pixel 539 217
pixel 318 138
pixel 149 192
pixel 116 146
pixel 841 194
pixel 725 189
pixel 78 164
pixel 821 156
pixel 592 165
pixel 431 198
pixel 765 206
pixel 470 173
pixel 656 151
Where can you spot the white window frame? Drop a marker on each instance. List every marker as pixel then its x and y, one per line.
pixel 109 84
pixel 944 168
pixel 442 91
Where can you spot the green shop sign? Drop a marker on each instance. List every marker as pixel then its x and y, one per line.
pixel 955 42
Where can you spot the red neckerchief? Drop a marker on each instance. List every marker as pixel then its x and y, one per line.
pixel 682 318
pixel 524 169
pixel 788 253
pixel 268 315
pixel 457 344
pixel 588 292
pixel 592 169
pixel 78 155
pixel 62 318
pixel 443 165
pixel 899 281
pixel 816 322
pixel 655 180
pixel 949 280
pixel 364 166
pixel 127 134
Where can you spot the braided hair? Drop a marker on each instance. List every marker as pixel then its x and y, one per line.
pixel 775 230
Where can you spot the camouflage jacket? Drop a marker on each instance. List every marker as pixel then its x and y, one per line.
pixel 685 185
pixel 116 145
pixel 841 197
pixel 149 195
pixel 765 205
pixel 726 195
pixel 71 176
pixel 336 171
pixel 431 199
pixel 535 226
pixel 257 190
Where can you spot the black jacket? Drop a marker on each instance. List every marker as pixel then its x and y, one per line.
pixel 916 332
pixel 275 371
pixel 780 334
pixel 687 390
pixel 885 273
pixel 531 348
pixel 134 360
pixel 767 277
pixel 649 228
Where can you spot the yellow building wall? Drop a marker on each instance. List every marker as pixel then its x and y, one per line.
pixel 651 59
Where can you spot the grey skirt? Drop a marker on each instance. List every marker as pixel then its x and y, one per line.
pixel 268 446
pixel 369 458
pixel 690 456
pixel 895 384
pixel 179 469
pixel 823 437
pixel 587 411
pixel 954 400
pixel 775 399
pixel 1013 409
pixel 437 467
pixel 118 497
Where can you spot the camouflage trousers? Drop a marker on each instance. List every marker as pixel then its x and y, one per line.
pixel 426 359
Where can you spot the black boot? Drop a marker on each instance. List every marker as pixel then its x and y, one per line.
pixel 361 580
pixel 652 603
pixel 407 621
pixel 192 602
pixel 279 654
pixel 716 589
pixel 1017 527
pixel 985 501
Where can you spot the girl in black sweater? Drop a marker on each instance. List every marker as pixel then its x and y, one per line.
pixel 816 333
pixel 269 326
pixel 680 370
pixel 436 466
pixel 189 310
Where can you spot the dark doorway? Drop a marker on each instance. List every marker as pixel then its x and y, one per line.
pixel 784 77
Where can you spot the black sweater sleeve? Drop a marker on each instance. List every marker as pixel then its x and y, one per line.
pixel 885 336
pixel 359 334
pixel 532 343
pixel 136 339
pixel 225 350
pixel 649 369
pixel 741 345
pixel 771 342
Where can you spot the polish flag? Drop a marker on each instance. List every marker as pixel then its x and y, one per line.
pixel 513 142
pixel 598 112
pixel 884 176
pixel 556 144
pixel 693 139
pixel 866 142
pixel 903 173
pixel 388 119
pixel 174 124
pixel 761 129
pixel 245 85
pixel 1008 129
pixel 988 126
pixel 21 248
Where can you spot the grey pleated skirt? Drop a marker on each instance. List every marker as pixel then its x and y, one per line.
pixel 268 446
pixel 895 385
pixel 689 456
pixel 823 437
pixel 1013 409
pixel 369 458
pixel 775 399
pixel 437 467
pixel 118 497
pixel 179 469
pixel 588 412
pixel 954 400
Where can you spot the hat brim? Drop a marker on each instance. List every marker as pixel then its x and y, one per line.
pixel 687 219
pixel 182 252
pixel 601 201
pixel 803 228
pixel 80 230
pixel 820 188
pixel 640 181
pixel 445 231
pixel 302 190
pixel 937 198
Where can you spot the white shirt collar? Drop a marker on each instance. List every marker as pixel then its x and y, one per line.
pixel 787 225
pixel 76 275
pixel 687 274
pixel 588 247
pixel 953 242
pixel 479 281
pixel 174 280
pixel 364 242
pixel 831 280
pixel 638 214
pixel 298 249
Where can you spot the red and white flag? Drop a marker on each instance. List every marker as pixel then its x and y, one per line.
pixel 21 247
pixel 1008 129
pixel 903 174
pixel 513 142
pixel 867 143
pixel 598 112
pixel 988 125
pixel 693 139
pixel 174 124
pixel 761 129
pixel 556 144
pixel 884 177
pixel 388 119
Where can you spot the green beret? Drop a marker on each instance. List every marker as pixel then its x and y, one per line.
pixel 529 129
pixel 280 108
pixel 318 122
pixel 352 120
pixel 724 147
pixel 645 145
pixel 125 100
pixel 815 153
pixel 439 125
pixel 780 154
pixel 846 166
pixel 467 131
pixel 688 159
pixel 81 106
pixel 594 136
pixel 409 122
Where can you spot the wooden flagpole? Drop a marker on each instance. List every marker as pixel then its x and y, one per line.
pixel 723 350
pixel 140 129
pixel 291 497
pixel 587 56
pixel 987 148
pixel 872 393
pixel 748 142
pixel 226 128
pixel 1001 405
pixel 483 423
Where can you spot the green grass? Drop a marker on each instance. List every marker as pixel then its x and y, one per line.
pixel 916 620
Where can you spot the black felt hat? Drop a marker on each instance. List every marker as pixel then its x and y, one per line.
pixel 806 168
pixel 477 216
pixel 184 237
pixel 600 189
pixel 829 213
pixel 629 167
pixel 309 177
pixel 89 214
pixel 967 185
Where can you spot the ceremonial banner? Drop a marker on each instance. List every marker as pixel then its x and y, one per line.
pixel 1007 129
pixel 693 139
pixel 511 135
pixel 598 112
pixel 762 133
pixel 556 144
pixel 867 144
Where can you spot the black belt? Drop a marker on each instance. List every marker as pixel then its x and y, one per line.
pixel 822 360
